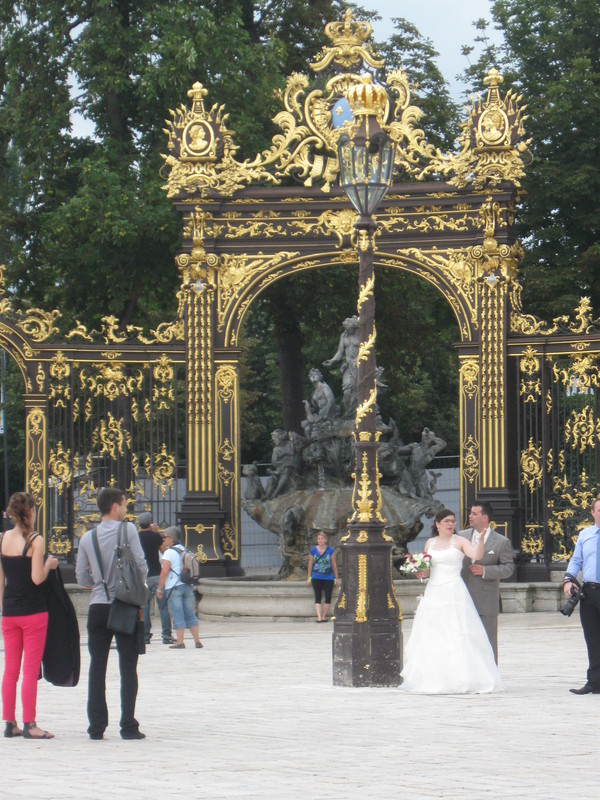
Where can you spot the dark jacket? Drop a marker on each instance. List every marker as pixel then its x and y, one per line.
pixel 61 660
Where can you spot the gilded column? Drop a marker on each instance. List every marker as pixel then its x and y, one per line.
pixel 36 455
pixel 470 438
pixel 200 448
pixel 201 513
pixel 495 418
pixel 227 450
pixel 493 383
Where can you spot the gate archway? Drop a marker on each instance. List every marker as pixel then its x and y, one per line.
pixel 243 229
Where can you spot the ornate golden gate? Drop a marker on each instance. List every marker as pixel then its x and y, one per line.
pixel 245 227
pixel 104 406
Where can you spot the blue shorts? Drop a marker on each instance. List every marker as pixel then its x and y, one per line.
pixel 181 606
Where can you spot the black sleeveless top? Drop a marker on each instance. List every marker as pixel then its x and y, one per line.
pixel 22 597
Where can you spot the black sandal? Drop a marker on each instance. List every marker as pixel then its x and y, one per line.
pixel 12 730
pixel 28 726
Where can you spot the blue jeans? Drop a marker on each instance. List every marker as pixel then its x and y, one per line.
pixel 181 606
pixel 163 610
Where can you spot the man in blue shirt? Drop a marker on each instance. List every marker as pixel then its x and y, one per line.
pixel 586 558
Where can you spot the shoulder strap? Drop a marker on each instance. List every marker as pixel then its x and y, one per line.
pixel 319 557
pixel 99 560
pixel 1 537
pixel 122 527
pixel 28 543
pixel 181 552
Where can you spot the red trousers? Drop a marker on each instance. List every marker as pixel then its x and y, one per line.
pixel 24 638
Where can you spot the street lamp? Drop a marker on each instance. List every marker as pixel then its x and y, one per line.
pixel 367 636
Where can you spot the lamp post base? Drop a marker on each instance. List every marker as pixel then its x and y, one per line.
pixel 367 653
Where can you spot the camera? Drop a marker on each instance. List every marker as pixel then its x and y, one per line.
pixel 571 604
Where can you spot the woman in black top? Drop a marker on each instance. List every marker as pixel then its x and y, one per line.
pixel 24 614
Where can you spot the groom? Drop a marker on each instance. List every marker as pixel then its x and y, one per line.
pixel 483 577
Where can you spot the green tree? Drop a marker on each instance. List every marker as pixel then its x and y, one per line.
pixel 415 345
pixel 552 56
pixel 293 326
pixel 87 226
pixel 12 434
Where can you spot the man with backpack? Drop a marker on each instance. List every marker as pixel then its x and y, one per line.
pixel 101 578
pixel 175 583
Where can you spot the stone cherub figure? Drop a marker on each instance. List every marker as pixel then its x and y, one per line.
pixel 284 461
pixel 347 350
pixel 254 488
pixel 322 406
pixel 415 481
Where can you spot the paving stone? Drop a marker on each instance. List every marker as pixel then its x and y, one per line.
pixel 254 715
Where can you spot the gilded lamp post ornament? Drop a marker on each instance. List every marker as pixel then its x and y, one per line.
pixel 366 638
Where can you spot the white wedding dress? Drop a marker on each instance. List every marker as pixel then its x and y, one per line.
pixel 448 651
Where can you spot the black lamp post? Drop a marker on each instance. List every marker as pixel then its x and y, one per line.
pixel 367 636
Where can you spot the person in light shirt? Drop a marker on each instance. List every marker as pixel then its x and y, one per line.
pixel 586 559
pixel 483 576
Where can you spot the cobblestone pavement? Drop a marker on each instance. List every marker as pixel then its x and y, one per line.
pixel 255 715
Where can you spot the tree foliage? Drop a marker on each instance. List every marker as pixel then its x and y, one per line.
pixel 12 434
pixel 87 227
pixel 552 55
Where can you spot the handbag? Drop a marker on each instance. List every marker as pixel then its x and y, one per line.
pixel 130 587
pixel 122 617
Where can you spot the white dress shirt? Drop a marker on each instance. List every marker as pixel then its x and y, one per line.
pixel 475 536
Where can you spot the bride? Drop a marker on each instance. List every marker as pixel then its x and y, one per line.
pixel 448 651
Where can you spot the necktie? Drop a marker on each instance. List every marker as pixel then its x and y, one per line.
pixel 597 556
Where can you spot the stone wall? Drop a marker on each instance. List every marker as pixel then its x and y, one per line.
pixel 260 600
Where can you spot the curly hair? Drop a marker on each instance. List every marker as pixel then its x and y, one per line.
pixel 19 507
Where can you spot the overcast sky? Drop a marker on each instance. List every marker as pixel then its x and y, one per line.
pixel 447 24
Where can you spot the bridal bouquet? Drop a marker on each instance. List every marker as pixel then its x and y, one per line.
pixel 416 562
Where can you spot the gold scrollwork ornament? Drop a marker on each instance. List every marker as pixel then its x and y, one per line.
pixel 531 467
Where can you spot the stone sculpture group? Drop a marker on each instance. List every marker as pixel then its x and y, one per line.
pixel 309 483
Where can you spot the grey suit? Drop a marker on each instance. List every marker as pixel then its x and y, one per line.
pixel 485 590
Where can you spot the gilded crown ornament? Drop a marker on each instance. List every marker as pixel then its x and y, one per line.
pixel 348 38
pixel 367 98
pixel 202 158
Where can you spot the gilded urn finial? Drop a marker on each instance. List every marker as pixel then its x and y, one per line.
pixel 197 93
